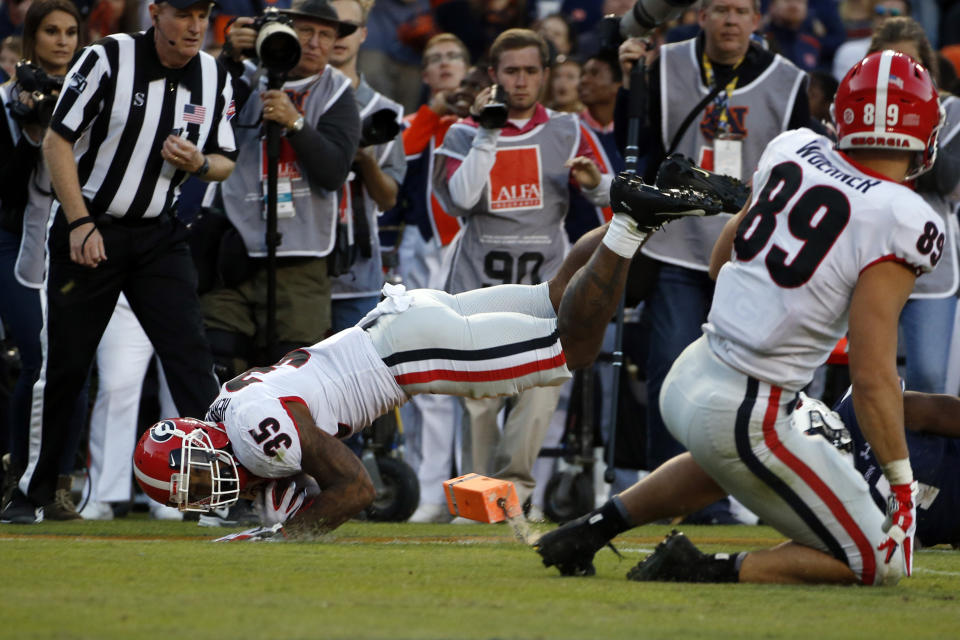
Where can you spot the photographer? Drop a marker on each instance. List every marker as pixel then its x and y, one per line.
pixel 317 109
pixel 50 41
pixel 378 170
pixel 505 171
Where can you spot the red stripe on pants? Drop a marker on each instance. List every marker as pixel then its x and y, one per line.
pixel 420 377
pixel 819 487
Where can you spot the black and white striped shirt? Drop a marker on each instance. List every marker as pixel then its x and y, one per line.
pixel 119 104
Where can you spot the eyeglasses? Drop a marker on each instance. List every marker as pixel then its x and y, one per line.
pixel 888 11
pixel 437 58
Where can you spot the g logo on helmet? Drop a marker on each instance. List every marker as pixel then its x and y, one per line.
pixel 163 431
pixel 848 115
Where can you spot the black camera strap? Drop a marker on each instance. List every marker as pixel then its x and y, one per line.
pixel 693 114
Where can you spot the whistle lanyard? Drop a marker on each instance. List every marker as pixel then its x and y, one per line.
pixel 723 98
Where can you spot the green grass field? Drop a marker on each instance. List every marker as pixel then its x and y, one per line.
pixel 136 578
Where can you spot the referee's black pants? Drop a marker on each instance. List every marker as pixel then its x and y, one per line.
pixel 149 261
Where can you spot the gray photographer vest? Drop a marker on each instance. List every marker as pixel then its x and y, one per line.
pixel 514 234
pixel 942 282
pixel 365 277
pixel 31 260
pixel 310 231
pixel 761 109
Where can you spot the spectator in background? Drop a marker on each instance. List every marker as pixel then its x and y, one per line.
pixel 563 86
pixel 372 188
pixel 10 53
pixel 509 181
pixel 789 36
pixel 823 23
pixel 926 322
pixel 12 14
pixel 112 16
pixel 397 32
pixel 51 39
pixel 821 88
pixel 558 31
pixel 852 51
pixel 479 22
pixel 756 96
pixel 430 421
pixel 598 93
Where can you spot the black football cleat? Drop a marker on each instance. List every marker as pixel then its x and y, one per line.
pixel 571 547
pixel 679 172
pixel 676 559
pixel 19 510
pixel 651 207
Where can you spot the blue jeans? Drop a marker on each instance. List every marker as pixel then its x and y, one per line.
pixel 925 328
pixel 674 313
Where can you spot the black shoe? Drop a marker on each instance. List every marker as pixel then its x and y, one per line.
pixel 19 510
pixel 676 559
pixel 679 172
pixel 651 207
pixel 571 547
pixel 239 514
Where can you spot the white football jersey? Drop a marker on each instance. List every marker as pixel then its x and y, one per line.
pixel 816 222
pixel 342 381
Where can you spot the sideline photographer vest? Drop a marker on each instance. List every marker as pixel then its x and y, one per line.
pixel 514 234
pixel 758 111
pixel 365 277
pixel 310 231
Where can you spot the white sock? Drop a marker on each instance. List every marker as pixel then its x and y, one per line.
pixel 623 237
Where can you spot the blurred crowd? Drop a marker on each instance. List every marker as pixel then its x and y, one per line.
pixel 426 61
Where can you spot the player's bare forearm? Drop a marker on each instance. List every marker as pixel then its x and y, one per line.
pixel 345 486
pixel 331 508
pixel 878 298
pixel 589 303
pixel 578 255
pixel 723 247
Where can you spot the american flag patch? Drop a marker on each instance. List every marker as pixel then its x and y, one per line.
pixel 231 110
pixel 194 113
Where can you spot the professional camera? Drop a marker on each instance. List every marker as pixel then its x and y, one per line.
pixel 493 115
pixel 645 16
pixel 379 127
pixel 44 90
pixel 277 46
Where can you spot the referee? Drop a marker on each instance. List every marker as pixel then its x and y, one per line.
pixel 138 115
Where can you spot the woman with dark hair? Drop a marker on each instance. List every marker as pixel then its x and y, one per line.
pixel 50 41
pixel 926 322
pixel 560 32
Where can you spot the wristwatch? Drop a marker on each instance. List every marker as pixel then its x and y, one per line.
pixel 204 168
pixel 296 126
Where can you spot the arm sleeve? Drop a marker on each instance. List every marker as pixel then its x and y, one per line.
pixel 79 102
pixel 221 140
pixel 908 232
pixel 416 137
pixel 393 160
pixel 326 151
pixel 469 178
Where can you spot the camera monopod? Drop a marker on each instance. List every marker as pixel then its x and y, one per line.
pixel 637 110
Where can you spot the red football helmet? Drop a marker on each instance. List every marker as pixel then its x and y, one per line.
pixel 171 450
pixel 888 101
